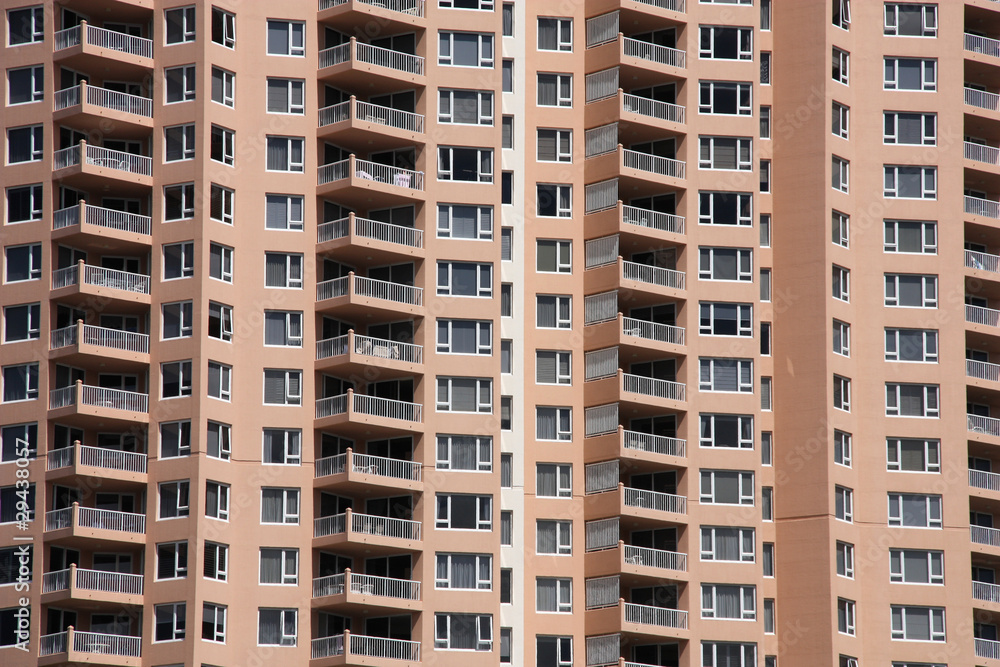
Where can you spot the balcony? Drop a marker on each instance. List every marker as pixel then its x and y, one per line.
pixel 366 532
pixel 981 479
pixel 376 127
pixel 981 370
pixel 348 14
pixel 102 230
pixel 987 648
pixel 352 354
pixel 383 241
pixel 638 558
pixel 357 414
pixel 126 347
pixel 351 472
pixel 362 590
pixel 986 592
pixel 982 154
pixel 603 477
pixel 363 184
pixel 608 612
pixel 604 29
pixel 109 464
pixel 99 403
pixel 93 108
pixel 354 297
pixel 981 261
pixel 644 173
pixel 122 286
pixel 987 317
pixel 982 45
pixel 606 327
pixel 89 648
pixel 116 54
pixel 351 649
pixel 360 66
pixel 77 522
pixel 95 585
pixel 90 167
pixel 986 536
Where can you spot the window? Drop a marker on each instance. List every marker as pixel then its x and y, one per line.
pixel 508 31
pixel 912 400
pixel 507 132
pixel 216 558
pixel 277 627
pixel 554 537
pixel 279 566
pixel 464 571
pixel 171 560
pixel 843 498
pixel 285 154
pixel 465 49
pixel 554 256
pixel 220 263
pixel 552 367
pixel 221 203
pixel 842 14
pixel 913 129
pixel 20 382
pixel 213 625
pixel 913 510
pixel 731 98
pixel 464 452
pixel 765 393
pixel 910 236
pixel 913 455
pixel 174 499
pixel 841 283
pixel 841 338
pixel 554 595
pixel 841 228
pixel 175 377
pixel 553 480
pixel 283 328
pixel 841 120
pixel 223 87
pixel 507 75
pixel 463 632
pixel 283 270
pixel 922 624
pixel 180 142
pixel 555 34
pixel 169 622
pixel 553 424
pixel 21 322
pixel 845 559
pixel 506 413
pixel 180 83
pixel 910 290
pixel 473 165
pixel 727 487
pixel 217 500
pixel 914 345
pixel 846 617
pixel 840 174
pixel 842 448
pixel 910 20
pixel 726 543
pixel 728 602
pixel 841 66
pixel 910 74
pixel 224 28
pixel 18 441
pixel 180 25
pixel 219 440
pixel 465 279
pixel 177 320
pixel 725 153
pixel 286 96
pixel 726 43
pixel 25 144
pixel 765 24
pixel 765 122
pixel 286 38
pixel 25 85
pixel 24 203
pixel 507 470
pixel 916 566
pixel 728 654
pixel 765 176
pixel 506 300
pixel 765 230
pixel 717 374
pixel 554 651
pixel 842 393
pixel 555 90
pixel 725 264
pixel 767 503
pixel 460 394
pixel 506 356
pixel 220 380
pixel 465 107
pixel 178 260
pixel 725 208
pixel 463 512
pixel 282 446
pixel 726 319
pixel 910 182
pixel 284 212
pixel 506 528
pixel 765 65
pixel 460 221
pixel 726 431
pixel 555 145
pixel 506 585
pixel 178 202
pixel 465 337
pixel 25 25
pixel 553 312
pixel 282 387
pixel 11 507
pixel 766 448
pixel 554 201
pixel 279 506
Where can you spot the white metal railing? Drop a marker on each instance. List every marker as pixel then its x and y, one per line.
pixel 654 444
pixel 395 118
pixel 382 647
pixel 55 581
pixel 982 153
pixel 386 467
pixel 651 108
pixel 335 55
pixel 52 644
pixel 330 406
pixel 333 230
pixel 601 307
pixel 105 39
pixel 980 424
pixel 663 333
pixel 601 140
pixel 59 458
pixel 103 217
pixel 381 348
pixel 641 217
pixel 65 98
pixel 655 500
pixel 658 558
pixel 601 363
pixel 661 616
pixel 112 459
pixel 365 584
pixel 325 647
pixel 602 29
pixel 410 7
pixel 331 347
pixel 333 172
pixel 372 55
pixel 388 408
pixel 387 291
pixel 331 289
pixel 653 275
pixel 601 252
pixel 984 535
pixel 330 525
pixel 654 164
pixel 601 477
pixel 661 55
pixel 330 585
pixel 601 196
pixel 372 171
pixel 104 98
pixel 331 465
pixel 982 590
pixel 601 419
pixel 99 156
pixel 982 99
pixel 99 642
pixel 984 207
pixel 98 276
pixel 984 45
pixel 118 399
pixel 987 648
pixel 59 519
pixel 93 580
pixel 981 479
pixel 980 315
pixel 62 397
pixel 335 113
pixel 648 386
pixel 982 370
pixel 114 339
pixel 602 534
pixel 370 524
pixel 672 5
pixel 982 261
pixel 384 231
pixel 126 522
pixel 602 85
pixel 604 650
pixel 602 592
pixel 66 157
pixel 64 39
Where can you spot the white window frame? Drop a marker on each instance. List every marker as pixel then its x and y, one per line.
pixel 743 273
pixel 929 348
pixel 221 509
pixel 846 617
pixel 706 98
pixel 845 393
pixel 931 396
pixel 221 571
pixel 290 397
pixel 742 53
pixel 294 263
pixel 708 540
pixel 843 12
pixel 706 494
pixel 225 260
pixel 483 563
pixel 844 551
pixel 891 237
pixel 709 198
pixel 291 223
pixel 842 120
pixel 842 61
pixel 36 84
pixel 292 454
pixel 563 472
pixel 446 106
pixel 897 567
pixel 928 181
pixel 928 74
pixel 561 44
pixel 562 100
pixel 932 455
pixel 291 85
pixel 286 494
pixel 748 602
pixel 283 621
pixel 444 455
pixel 37 15
pixel 484 632
pixel 180 571
pixel 486 48
pixel 482 328
pixel 188 24
pixel 559 355
pixel 842 331
pixel 710 657
pixel 182 488
pixel 932 510
pixel 561 192
pixel 178 614
pixel 225 441
pixel 929 290
pixel 741 144
pixel 845 441
pixel 560 299
pixel 37 202
pixel 561 434
pixel 291 166
pixel 929 23
pixel 442 501
pixel 480 385
pixel 563 595
pixel 744 424
pixel 563 536
pixel 294 50
pixel 228 87
pixel 564 260
pixel 844 497
pixel 33 330
pixel 184 371
pixel 840 229
pixel 227 204
pixel 225 321
pixel 188 82
pixel 228 145
pixel 225 387
pixel 840 170
pixel 935 617
pixel 228 28
pixel 293 327
pixel 709 363
pixel 484 222
pixel 186 198
pixel 928 123
pixel 289 557
pixel 446 156
pixel 744 319
pixel 187 141
pixel 218 615
pixel 561 136
pixel 185 316
pixel 841 283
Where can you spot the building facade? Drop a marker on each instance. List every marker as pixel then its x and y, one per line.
pixel 393 332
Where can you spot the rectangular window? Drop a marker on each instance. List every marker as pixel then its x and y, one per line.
pixel 507 132
pixel 22 322
pixel 841 120
pixel 220 440
pixel 765 394
pixel 472 572
pixel 470 165
pixel 765 176
pixel 914 510
pixel 282 387
pixel 506 585
pixel 25 85
pixel 465 452
pixel 910 236
pixel 765 122
pixel 844 503
pixel 842 14
pixel 25 144
pixel 728 375
pixel 178 260
pixel 174 499
pixel 842 393
pixel 910 20
pixel 213 626
pixel 220 380
pixel 723 601
pixel 910 182
pixel 284 212
pixel 765 65
pixel 729 98
pixel 553 312
pixel 555 34
pixel 841 338
pixel 554 145
pixel 910 74
pixel 465 337
pixel 283 328
pixel 277 627
pixel 912 400
pixel 506 356
pixel 282 446
pixel 920 624
pixel 25 25
pixel 767 503
pixel 507 470
pixel 726 431
pixel 841 66
pixel 169 622
pixel 554 595
pixel 553 423
pixel 916 566
pixel 223 145
pixel 913 129
pixel 913 455
pixel 224 28
pixel 554 256
pixel 507 75
pixel 726 153
pixel 179 141
pixel 508 31
pixel 279 506
pixel 726 319
pixel 553 480
pixel 765 230
pixel 766 448
pixel 841 229
pixel 553 367
pixel 554 537
pixel 171 560
pixel 725 208
pixel 279 566
pixel 463 632
pixel 286 96
pixel 25 203
pixel 463 221
pixel 465 107
pixel 506 300
pixel 846 622
pixel 286 38
pixel 842 443
pixel 555 90
pixel 506 528
pixel 841 282
pixel 18 441
pixel 283 270
pixel 177 319
pixel 725 264
pixel 181 83
pixel 220 265
pixel 727 487
pixel 465 49
pixel 20 382
pixel 729 544
pixel 768 558
pixel 180 25
pixel 285 154
pixel 913 345
pixel 726 43
pixel 845 559
pixel 728 654
pixel 223 87
pixel 178 202
pixel 465 279
pixel 904 290
pixel 840 171
pixel 460 394
pixel 456 511
pixel 217 500
pixel 221 203
pixel 553 200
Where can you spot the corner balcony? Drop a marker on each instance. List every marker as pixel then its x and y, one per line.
pixel 92 585
pixel 348 14
pixel 376 127
pixel 80 340
pixel 116 55
pixel 602 480
pixel 356 474
pixel 608 216
pixel 86 461
pixel 102 230
pixel 383 241
pixel 625 559
pixel 606 615
pixel 355 592
pixel 92 648
pixel 364 533
pixel 641 118
pixel 74 524
pixel 615 441
pixel 989 426
pixel 641 173
pixel 986 481
pixel 354 297
pixel 83 281
pixel 988 649
pixel 96 108
pixel 363 184
pixel 358 414
pixel 351 649
pixel 607 383
pixel 355 65
pixel 646 60
pixel 982 157
pixel 353 353
pixel 985 536
pixel 606 273
pixel 98 403
pixel 94 168
pixel 620 330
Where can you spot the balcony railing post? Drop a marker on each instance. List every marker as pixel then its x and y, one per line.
pixel 72 577
pixel 352 110
pixel 348 519
pixel 78 401
pixel 347 633
pixel 70 630
pixel 79 333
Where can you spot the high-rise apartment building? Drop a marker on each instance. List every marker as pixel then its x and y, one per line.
pixel 551 334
